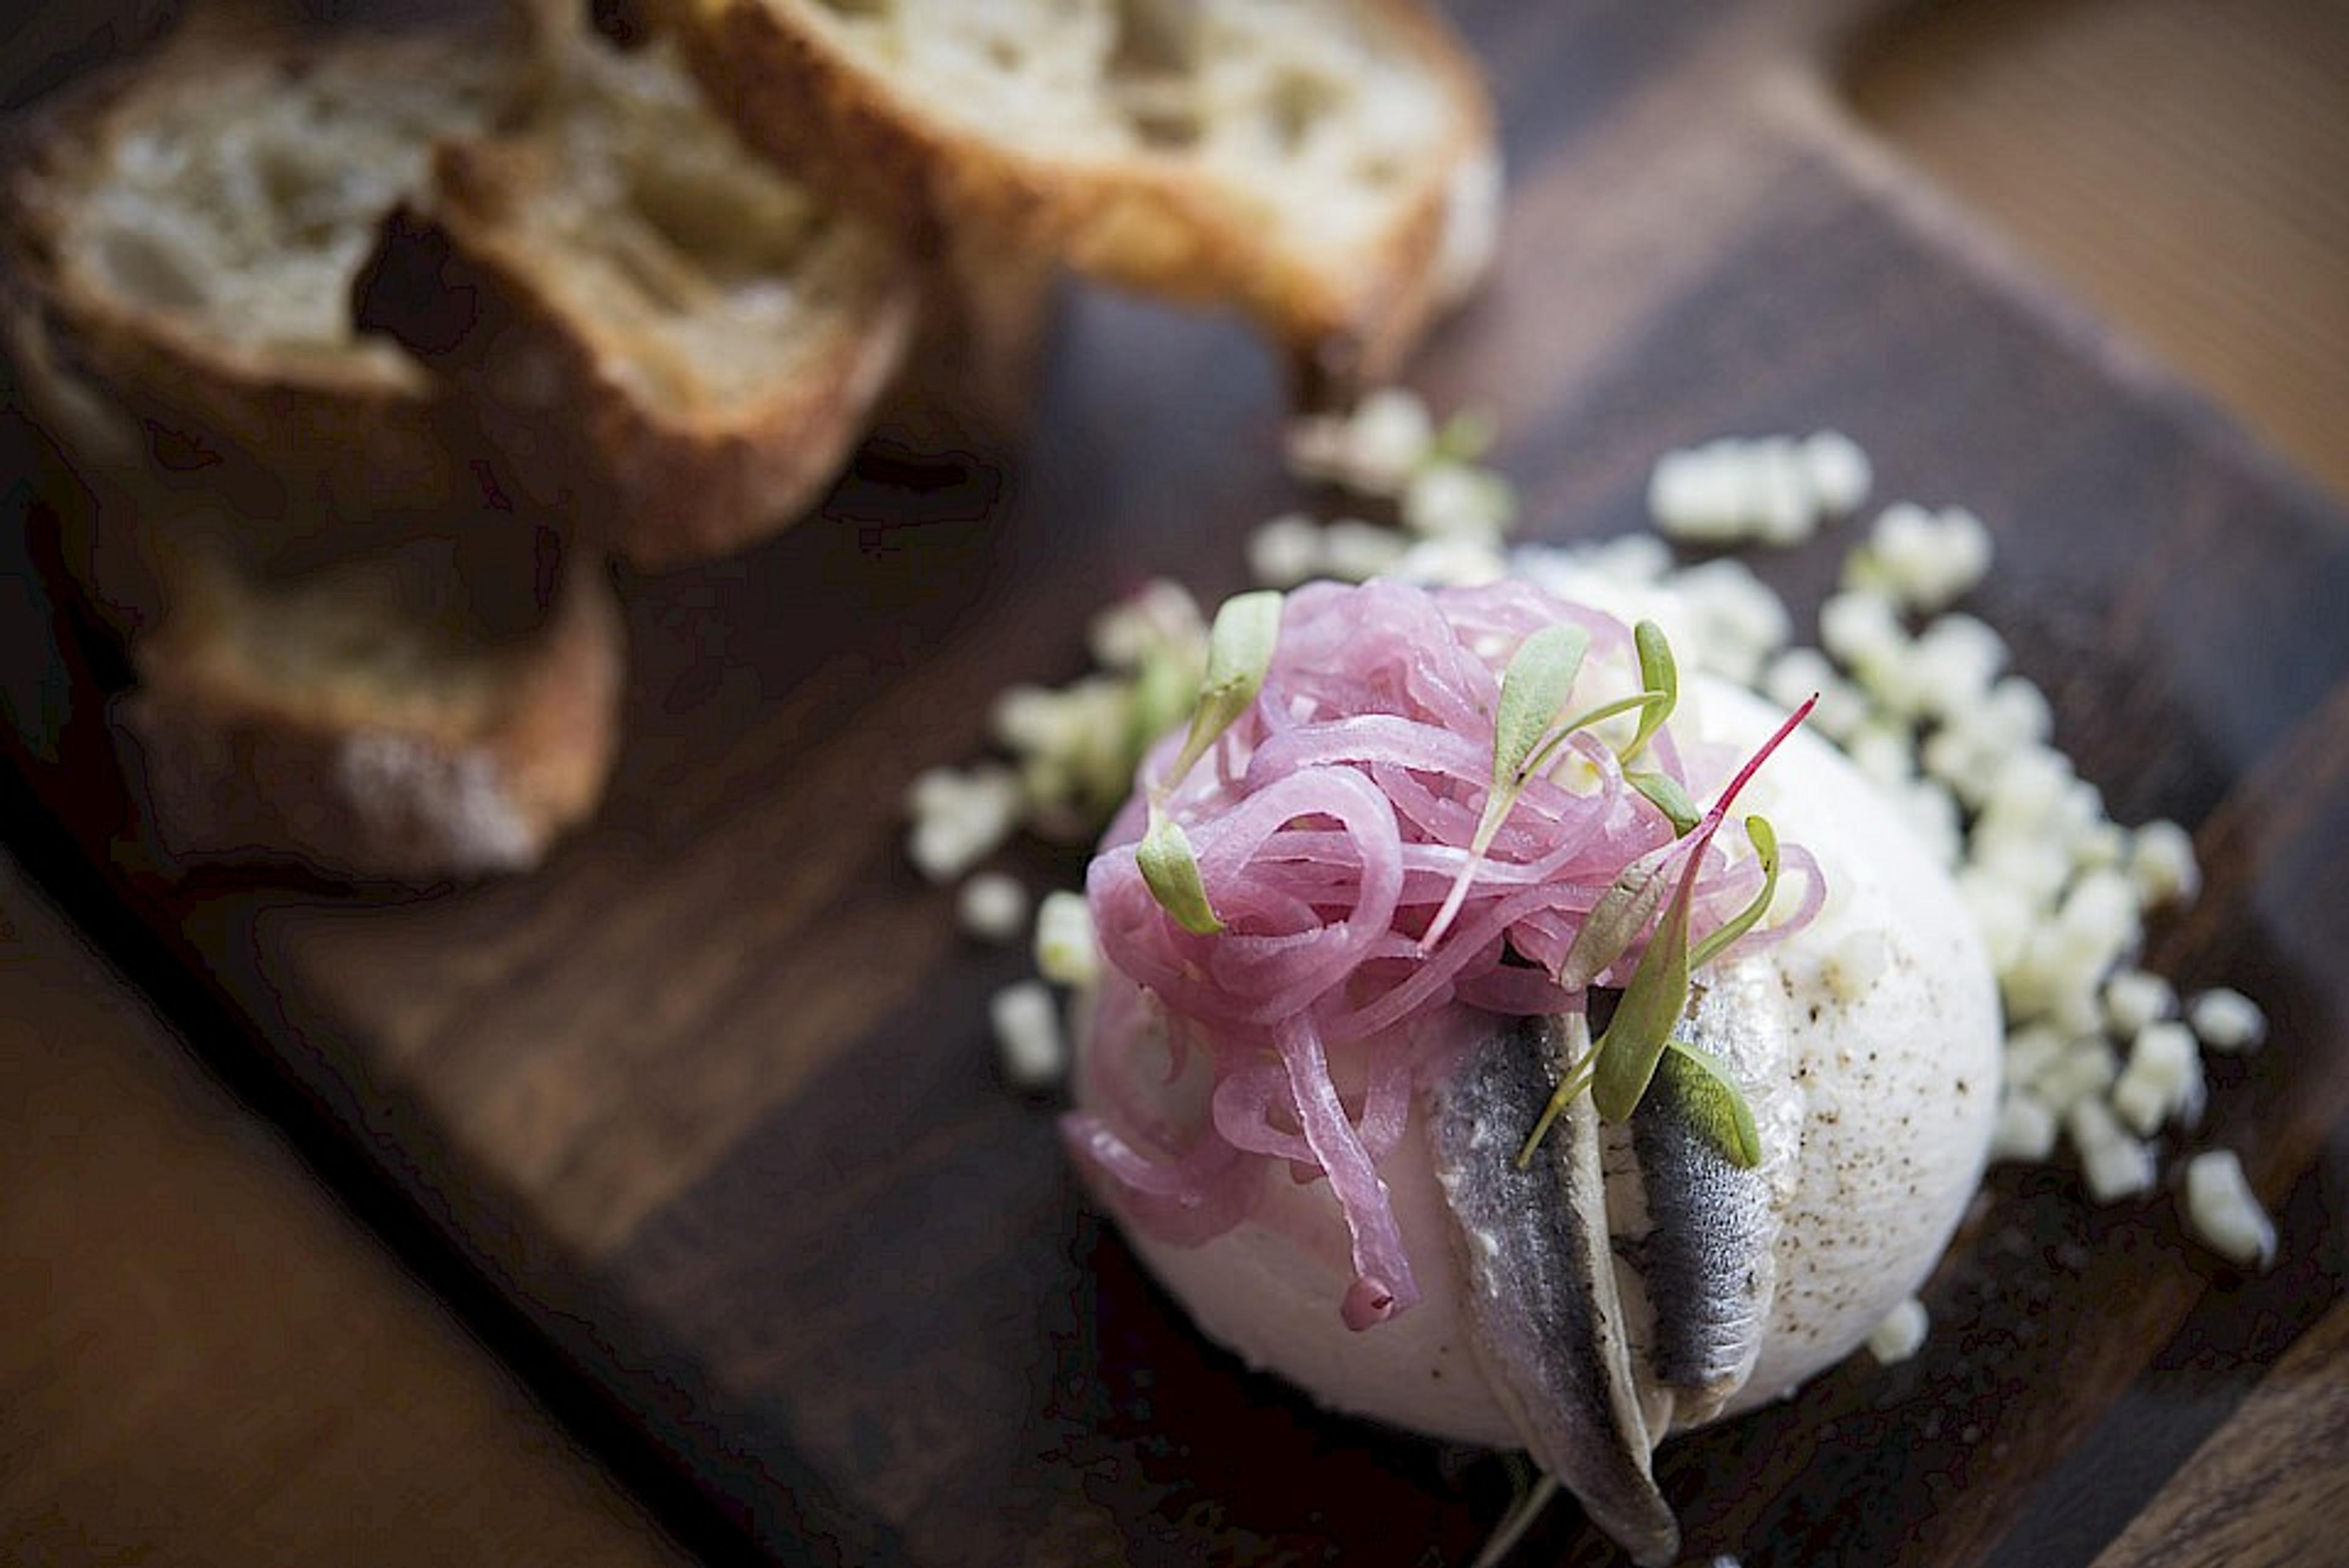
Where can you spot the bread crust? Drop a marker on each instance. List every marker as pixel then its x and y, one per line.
pixel 1147 221
pixel 462 285
pixel 276 428
pixel 455 780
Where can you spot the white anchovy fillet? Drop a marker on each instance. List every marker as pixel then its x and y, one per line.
pixel 1707 1260
pixel 1547 1323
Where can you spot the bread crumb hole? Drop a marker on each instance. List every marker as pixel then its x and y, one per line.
pixel 142 267
pixel 1163 120
pixel 1299 99
pixel 1152 72
pixel 1005 54
pixel 305 197
pixel 1156 38
pixel 708 233
pixel 861 8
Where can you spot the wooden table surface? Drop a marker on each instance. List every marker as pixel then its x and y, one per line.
pixel 205 1357
pixel 179 1388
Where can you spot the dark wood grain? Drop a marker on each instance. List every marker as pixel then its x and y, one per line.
pixel 2268 1490
pixel 2219 235
pixel 712 1096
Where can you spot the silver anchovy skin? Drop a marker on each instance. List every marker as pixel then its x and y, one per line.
pixel 1707 1261
pixel 1548 1320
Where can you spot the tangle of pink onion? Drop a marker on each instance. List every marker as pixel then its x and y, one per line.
pixel 1328 822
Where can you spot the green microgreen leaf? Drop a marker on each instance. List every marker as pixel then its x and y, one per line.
pixel 1239 653
pixel 1533 690
pixel 1623 1062
pixel 1666 794
pixel 1625 1057
pixel 1171 873
pixel 1658 673
pixel 1659 991
pixel 1766 847
pixel 1614 923
pixel 1710 1099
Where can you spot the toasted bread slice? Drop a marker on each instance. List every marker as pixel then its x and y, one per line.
pixel 1329 165
pixel 189 225
pixel 411 696
pixel 653 326
pixel 442 709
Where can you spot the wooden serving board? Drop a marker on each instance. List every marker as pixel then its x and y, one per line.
pixel 712 1097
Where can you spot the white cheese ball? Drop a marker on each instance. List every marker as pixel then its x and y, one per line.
pixel 1899 1079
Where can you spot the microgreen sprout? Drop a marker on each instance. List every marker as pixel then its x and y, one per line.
pixel 1533 690
pixel 1765 849
pixel 1707 1094
pixel 1659 693
pixel 1171 873
pixel 1578 1079
pixel 1658 673
pixel 1606 710
pixel 1239 654
pixel 1619 1068
pixel 1527 735
pixel 1666 794
pixel 1621 913
pixel 1624 1058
